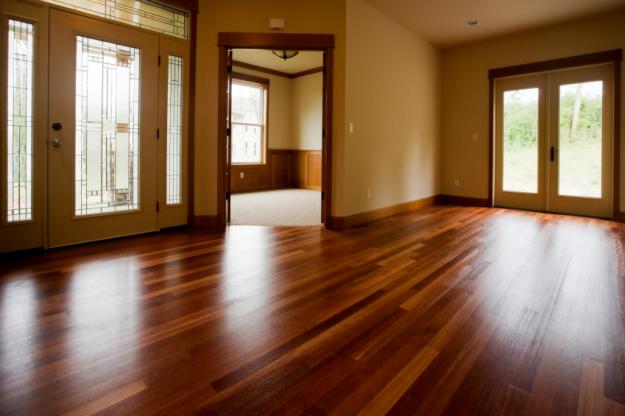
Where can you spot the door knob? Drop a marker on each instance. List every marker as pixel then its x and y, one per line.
pixel 56 142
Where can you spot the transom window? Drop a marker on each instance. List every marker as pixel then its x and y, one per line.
pixel 249 120
pixel 141 13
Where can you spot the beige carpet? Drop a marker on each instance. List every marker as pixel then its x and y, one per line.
pixel 279 207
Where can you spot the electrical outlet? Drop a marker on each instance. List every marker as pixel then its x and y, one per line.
pixel 456 182
pixel 368 193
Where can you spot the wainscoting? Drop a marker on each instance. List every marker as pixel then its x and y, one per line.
pixel 284 169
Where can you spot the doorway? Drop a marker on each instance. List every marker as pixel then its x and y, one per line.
pixel 276 137
pixel 554 141
pixel 232 174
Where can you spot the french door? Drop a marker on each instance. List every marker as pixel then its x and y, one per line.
pixel 553 149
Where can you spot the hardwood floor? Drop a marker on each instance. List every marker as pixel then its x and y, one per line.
pixel 450 310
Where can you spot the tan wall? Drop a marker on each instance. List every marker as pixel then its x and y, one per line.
pixel 279 118
pixel 465 90
pixel 321 16
pixel 307 123
pixel 393 90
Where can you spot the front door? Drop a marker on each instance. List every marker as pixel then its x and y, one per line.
pixel 102 138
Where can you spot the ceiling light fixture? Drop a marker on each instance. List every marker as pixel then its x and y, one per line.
pixel 284 54
pixel 472 22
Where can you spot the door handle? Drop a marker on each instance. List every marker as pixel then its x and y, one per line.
pixel 57 142
pixel 552 154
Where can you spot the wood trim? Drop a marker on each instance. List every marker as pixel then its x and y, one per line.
pixel 250 78
pixel 616 135
pixel 284 169
pixel 326 154
pixel 491 147
pixel 615 55
pixel 189 5
pixel 463 200
pixel 261 69
pixel 191 117
pixel 362 218
pixel 205 221
pixel 306 169
pixel 307 72
pixel 299 41
pixel 222 80
pixel 324 43
pixel 275 72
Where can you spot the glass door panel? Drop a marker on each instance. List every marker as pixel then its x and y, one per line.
pixel 580 139
pixel 520 140
pixel 107 127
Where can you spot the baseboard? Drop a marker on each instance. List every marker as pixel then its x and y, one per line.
pixel 362 218
pixel 205 221
pixel 619 216
pixel 260 189
pixel 462 200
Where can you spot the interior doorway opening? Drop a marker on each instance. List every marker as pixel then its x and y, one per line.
pixel 275 107
pixel 276 143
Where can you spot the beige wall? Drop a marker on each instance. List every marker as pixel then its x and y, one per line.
pixel 321 16
pixel 465 90
pixel 393 90
pixel 279 117
pixel 307 110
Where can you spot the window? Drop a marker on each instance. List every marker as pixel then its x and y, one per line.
pixel 174 130
pixel 249 120
pixel 20 121
pixel 141 13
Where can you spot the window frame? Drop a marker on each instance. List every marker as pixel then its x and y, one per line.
pixel 244 79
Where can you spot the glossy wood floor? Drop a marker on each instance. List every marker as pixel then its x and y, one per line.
pixel 448 310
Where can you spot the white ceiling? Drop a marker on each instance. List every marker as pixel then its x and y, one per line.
pixel 443 22
pixel 303 61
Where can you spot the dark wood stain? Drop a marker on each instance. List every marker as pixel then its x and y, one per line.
pixel 442 310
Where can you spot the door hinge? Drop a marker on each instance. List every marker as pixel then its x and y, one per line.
pixel 552 154
pixel 227 196
pixel 323 196
pixel 228 131
pixel 158 133
pixel 158 206
pixel 323 132
pixel 230 69
pixel 159 60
